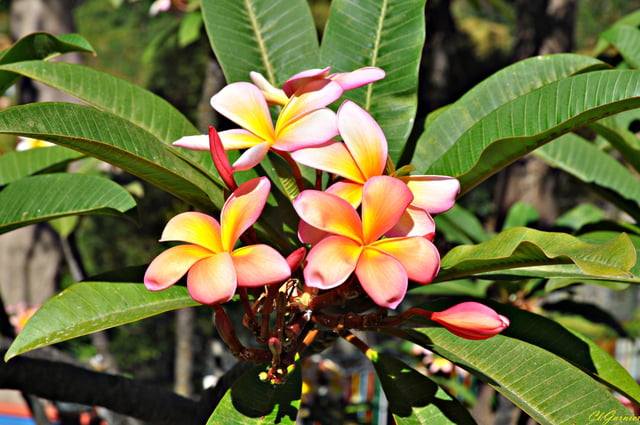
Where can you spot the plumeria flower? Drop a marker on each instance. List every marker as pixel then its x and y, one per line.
pixel 362 156
pixel 213 265
pixel 303 122
pixel 383 266
pixel 471 320
pixel 26 143
pixel 346 80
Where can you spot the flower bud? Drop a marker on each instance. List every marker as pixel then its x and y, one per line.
pixel 471 320
pixel 295 258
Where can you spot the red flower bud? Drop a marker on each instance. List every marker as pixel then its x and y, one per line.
pixel 295 258
pixel 471 320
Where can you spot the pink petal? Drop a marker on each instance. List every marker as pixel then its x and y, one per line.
pixel 435 194
pixel 339 252
pixel 312 129
pixel 414 222
pixel 195 143
pixel 309 234
pixel 244 104
pixel 242 209
pixel 333 158
pixel 315 95
pixel 358 78
pixel 384 200
pixel 347 190
pixel 195 228
pixel 328 213
pixel 258 265
pixel 212 280
pixel 273 95
pixel 168 267
pixel 364 139
pixel 251 157
pixel 471 320
pixel 301 78
pixel 382 277
pixel 418 256
pixel 238 139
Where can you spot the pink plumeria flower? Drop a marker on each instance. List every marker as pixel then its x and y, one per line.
pixel 346 80
pixel 471 320
pixel 303 122
pixel 213 265
pixel 362 156
pixel 383 266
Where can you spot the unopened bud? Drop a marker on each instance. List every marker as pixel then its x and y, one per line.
pixel 471 320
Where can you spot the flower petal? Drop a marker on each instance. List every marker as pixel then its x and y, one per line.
pixel 242 209
pixel 199 142
pixel 329 213
pixel 168 267
pixel 309 234
pixel 244 104
pixel 301 78
pixel 382 277
pixel 314 95
pixel 333 158
pixel 418 256
pixel 364 139
pixel 273 95
pixel 435 194
pixel 338 252
pixel 196 228
pixel 251 157
pixel 238 139
pixel 384 200
pixel 347 190
pixel 358 78
pixel 471 320
pixel 212 280
pixel 258 265
pixel 312 129
pixel 414 222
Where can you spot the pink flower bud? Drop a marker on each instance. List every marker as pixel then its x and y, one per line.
pixel 295 258
pixel 220 159
pixel 471 320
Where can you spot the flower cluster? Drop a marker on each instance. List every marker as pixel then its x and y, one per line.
pixel 371 228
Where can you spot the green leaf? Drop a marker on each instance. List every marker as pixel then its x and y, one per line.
pixel 521 247
pixel 632 19
pixel 88 307
pixel 16 165
pixel 449 124
pixel 616 130
pixel 576 156
pixel 190 27
pixel 520 214
pixel 529 121
pixel 461 226
pixel 276 39
pixel 111 94
pixel 251 401
pixel 117 141
pixel 404 386
pixel 548 388
pixel 627 40
pixel 388 34
pixel 579 216
pixel 41 198
pixel 39 45
pixel 443 410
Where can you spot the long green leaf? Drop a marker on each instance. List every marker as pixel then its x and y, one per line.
pixel 253 402
pixel 114 140
pixel 632 19
pixel 523 247
pixel 627 40
pixel 443 410
pixel 616 130
pixel 41 198
pixel 576 156
pixel 16 165
pixel 512 82
pixel 548 388
pixel 88 307
pixel 276 39
pixel 39 45
pixel 529 121
pixel 110 94
pixel 388 34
